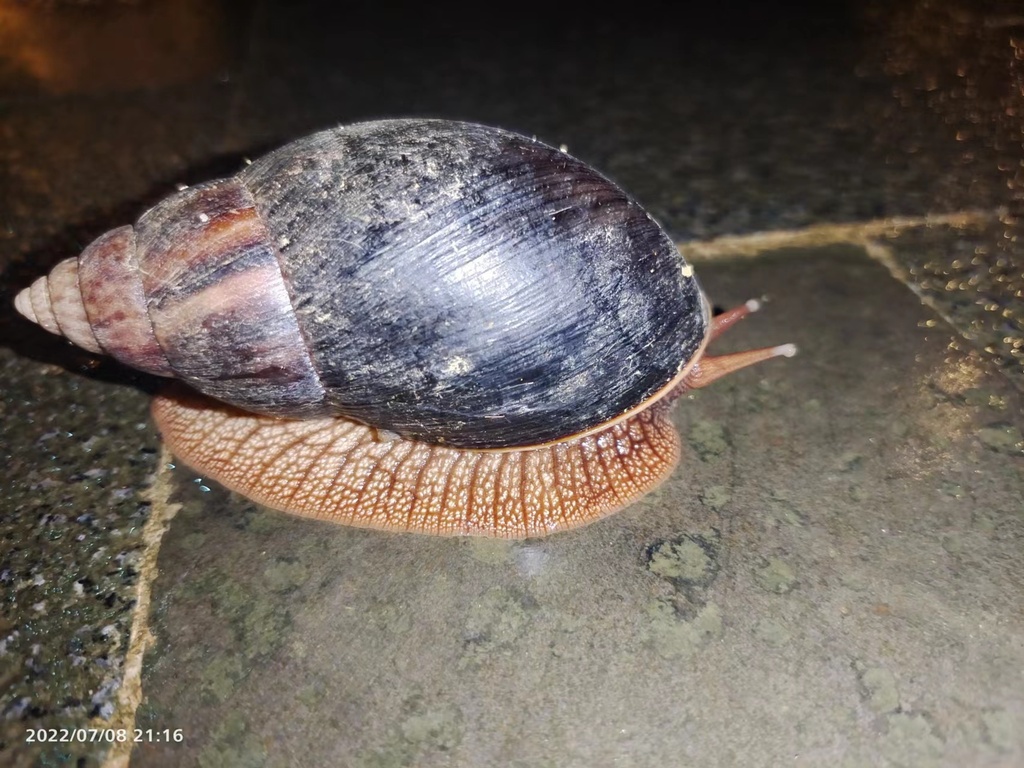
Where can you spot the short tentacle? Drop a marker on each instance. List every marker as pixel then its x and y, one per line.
pixel 722 322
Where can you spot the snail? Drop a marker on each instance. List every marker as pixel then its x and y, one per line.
pixel 416 325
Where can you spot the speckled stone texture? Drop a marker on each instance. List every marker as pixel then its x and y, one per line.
pixel 832 576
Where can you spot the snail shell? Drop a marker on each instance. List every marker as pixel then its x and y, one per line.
pixel 414 324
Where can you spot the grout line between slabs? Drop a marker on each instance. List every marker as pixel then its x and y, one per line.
pixel 857 233
pixel 129 695
pixel 868 235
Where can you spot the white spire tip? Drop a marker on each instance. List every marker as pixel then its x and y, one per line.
pixel 23 303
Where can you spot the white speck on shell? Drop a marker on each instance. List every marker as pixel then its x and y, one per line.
pixel 457 365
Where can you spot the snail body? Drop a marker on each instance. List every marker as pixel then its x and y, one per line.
pixel 406 324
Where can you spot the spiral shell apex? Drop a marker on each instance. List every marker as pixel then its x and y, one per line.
pixel 96 301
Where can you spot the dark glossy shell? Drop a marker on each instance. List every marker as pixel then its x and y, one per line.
pixel 450 282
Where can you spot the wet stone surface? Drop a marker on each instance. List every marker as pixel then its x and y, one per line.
pixel 822 576
pixel 975 282
pixel 72 514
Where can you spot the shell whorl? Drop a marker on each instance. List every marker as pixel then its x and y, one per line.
pixel 497 292
pixel 218 302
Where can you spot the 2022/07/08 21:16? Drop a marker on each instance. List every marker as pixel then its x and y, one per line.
pixel 109 735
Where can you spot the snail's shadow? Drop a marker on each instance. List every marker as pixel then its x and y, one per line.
pixel 28 340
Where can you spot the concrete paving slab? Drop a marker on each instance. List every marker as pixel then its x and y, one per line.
pixel 828 578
